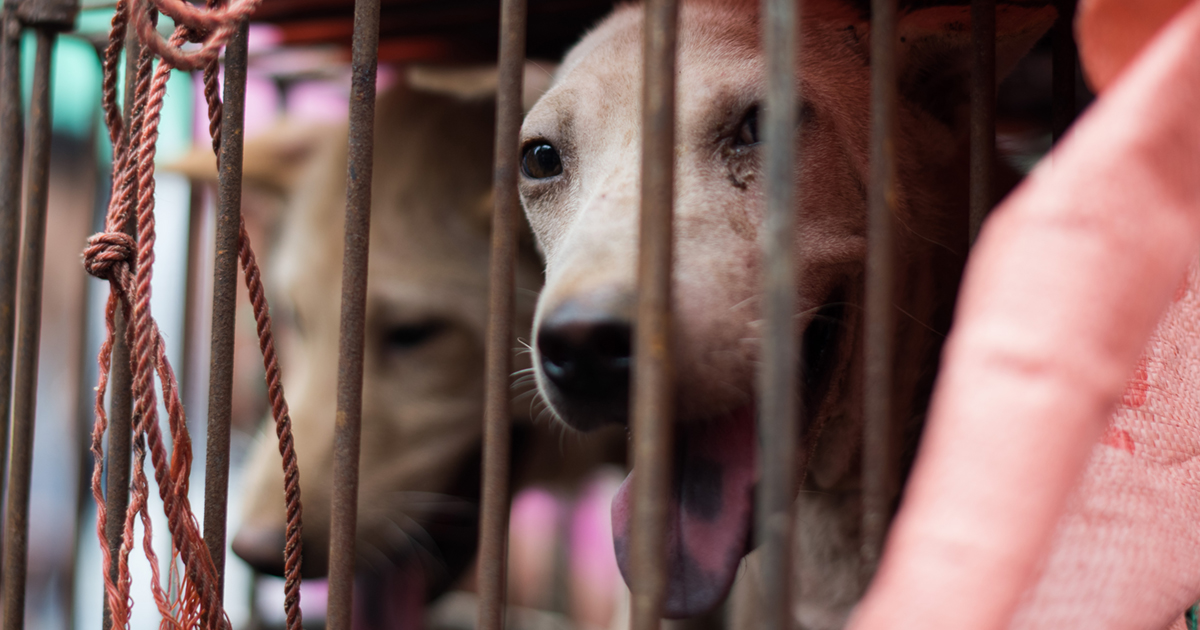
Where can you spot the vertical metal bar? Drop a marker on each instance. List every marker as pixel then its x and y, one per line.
pixel 881 200
pixel 11 149
pixel 16 522
pixel 84 394
pixel 192 285
pixel 493 531
pixel 653 404
pixel 229 214
pixel 347 427
pixel 777 420
pixel 120 413
pixel 983 110
pixel 1063 86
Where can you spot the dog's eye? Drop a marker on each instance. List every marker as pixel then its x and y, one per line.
pixel 540 160
pixel 748 132
pixel 409 336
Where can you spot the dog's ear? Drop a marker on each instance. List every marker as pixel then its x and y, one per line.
pixel 272 160
pixel 935 50
pixel 479 82
pixel 273 165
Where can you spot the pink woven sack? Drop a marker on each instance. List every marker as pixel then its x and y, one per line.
pixel 1058 482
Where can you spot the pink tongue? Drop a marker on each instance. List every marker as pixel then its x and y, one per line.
pixel 709 522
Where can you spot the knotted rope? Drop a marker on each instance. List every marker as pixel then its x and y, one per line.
pixel 127 264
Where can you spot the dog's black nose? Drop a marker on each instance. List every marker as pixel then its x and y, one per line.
pixel 587 359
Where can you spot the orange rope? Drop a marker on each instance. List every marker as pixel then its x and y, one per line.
pixel 128 266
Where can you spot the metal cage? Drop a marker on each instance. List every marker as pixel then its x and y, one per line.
pixel 652 434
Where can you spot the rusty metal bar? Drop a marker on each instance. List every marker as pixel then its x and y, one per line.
pixel 493 530
pixel 11 148
pixel 348 423
pixel 653 403
pixel 84 393
pixel 16 524
pixel 193 283
pixel 120 412
pixel 983 111
pixel 881 201
pixel 778 405
pixel 225 265
pixel 1065 54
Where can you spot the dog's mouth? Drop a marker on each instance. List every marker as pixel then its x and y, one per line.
pixel 412 556
pixel 712 494
pixel 413 546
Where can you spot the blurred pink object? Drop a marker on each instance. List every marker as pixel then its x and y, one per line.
pixel 1000 525
pixel 316 81
pixel 533 540
pixel 595 577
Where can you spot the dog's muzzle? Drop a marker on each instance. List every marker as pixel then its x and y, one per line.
pixel 584 355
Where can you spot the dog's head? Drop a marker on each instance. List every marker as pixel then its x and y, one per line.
pixel 426 316
pixel 580 186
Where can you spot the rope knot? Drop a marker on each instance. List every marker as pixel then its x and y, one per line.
pixel 105 251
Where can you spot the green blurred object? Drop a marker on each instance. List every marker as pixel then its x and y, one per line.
pixel 76 88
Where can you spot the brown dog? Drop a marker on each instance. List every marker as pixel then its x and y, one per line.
pixel 581 193
pixel 425 327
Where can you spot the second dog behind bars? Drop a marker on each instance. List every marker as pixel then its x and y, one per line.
pixel 423 383
pixel 580 187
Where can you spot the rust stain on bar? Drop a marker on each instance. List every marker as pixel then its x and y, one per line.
pixel 493 531
pixel 12 141
pixel 225 265
pixel 983 110
pixel 120 413
pixel 653 391
pixel 881 196
pixel 1065 53
pixel 347 429
pixel 778 409
pixel 16 524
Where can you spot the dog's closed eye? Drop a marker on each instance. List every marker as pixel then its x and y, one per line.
pixel 540 160
pixel 409 336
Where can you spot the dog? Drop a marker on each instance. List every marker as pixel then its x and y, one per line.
pixel 423 384
pixel 580 190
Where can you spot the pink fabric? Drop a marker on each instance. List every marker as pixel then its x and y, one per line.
pixel 1069 280
pixel 1127 551
pixel 1112 32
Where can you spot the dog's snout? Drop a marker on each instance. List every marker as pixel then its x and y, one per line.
pixel 586 356
pixel 261 547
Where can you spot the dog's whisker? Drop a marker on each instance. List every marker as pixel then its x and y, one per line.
pixel 374 557
pixel 519 398
pixel 524 381
pixel 919 322
pixel 541 416
pixel 419 544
